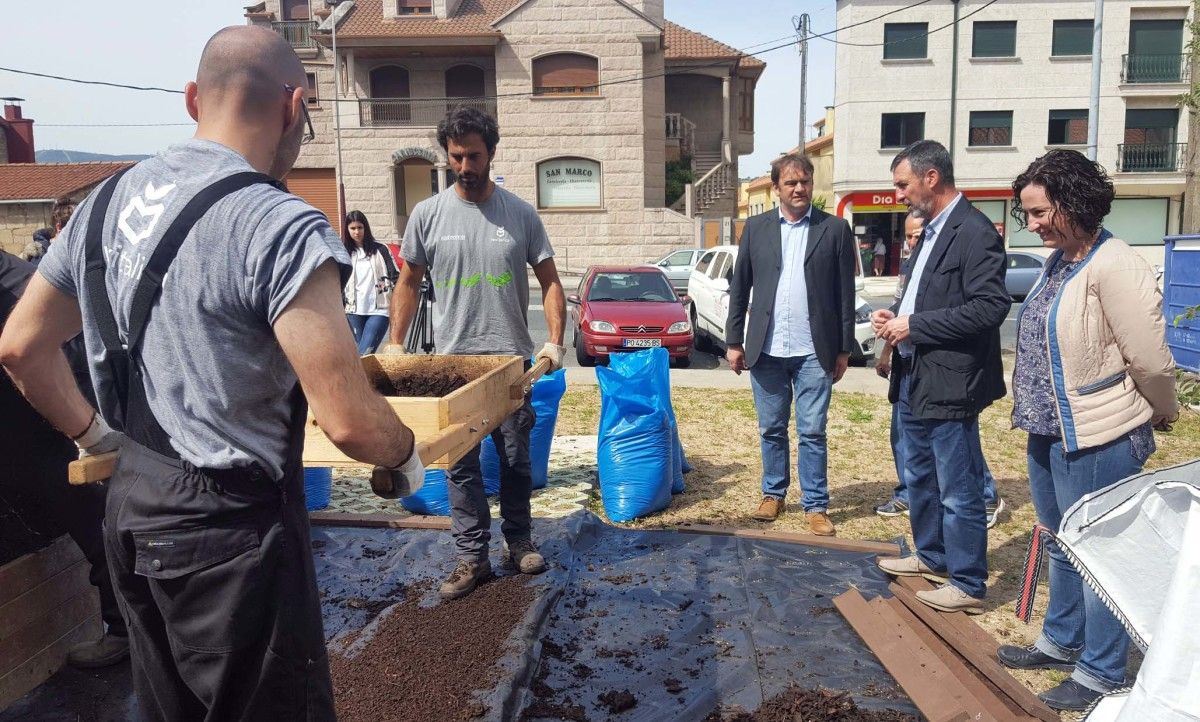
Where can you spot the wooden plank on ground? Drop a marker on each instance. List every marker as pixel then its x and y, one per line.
pixel 26 572
pixel 337 518
pixel 997 703
pixel 926 681
pixel 965 625
pixel 52 623
pixel 955 634
pixel 829 542
pixel 45 662
pixel 50 594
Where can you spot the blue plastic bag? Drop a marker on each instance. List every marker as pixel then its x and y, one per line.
pixel 655 367
pixel 433 498
pixel 318 486
pixel 546 394
pixel 635 456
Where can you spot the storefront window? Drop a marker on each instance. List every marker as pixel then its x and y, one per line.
pixel 572 183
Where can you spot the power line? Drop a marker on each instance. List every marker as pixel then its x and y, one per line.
pixel 92 82
pixel 911 37
pixel 111 125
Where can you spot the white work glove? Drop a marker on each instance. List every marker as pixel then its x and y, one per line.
pixel 404 480
pixel 552 353
pixel 98 438
pixel 392 349
pixel 32 250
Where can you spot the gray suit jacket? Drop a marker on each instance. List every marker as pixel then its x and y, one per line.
pixel 828 273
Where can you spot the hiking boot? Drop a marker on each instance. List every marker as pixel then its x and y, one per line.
pixel 103 652
pixel 523 556
pixel 949 598
pixel 910 566
pixel 467 574
pixel 993 512
pixel 819 524
pixel 1070 695
pixel 894 507
pixel 769 509
pixel 1030 657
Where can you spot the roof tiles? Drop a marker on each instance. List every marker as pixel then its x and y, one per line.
pixel 39 181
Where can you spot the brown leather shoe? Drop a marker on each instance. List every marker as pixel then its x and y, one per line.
pixel 769 509
pixel 819 524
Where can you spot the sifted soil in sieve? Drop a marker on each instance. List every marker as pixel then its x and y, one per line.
pixel 799 704
pixel 425 664
pixel 422 383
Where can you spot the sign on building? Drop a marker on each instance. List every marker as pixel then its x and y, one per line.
pixel 569 183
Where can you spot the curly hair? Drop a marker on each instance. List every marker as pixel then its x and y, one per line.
pixel 1078 188
pixel 463 121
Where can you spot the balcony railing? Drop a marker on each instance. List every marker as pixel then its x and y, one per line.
pixel 298 33
pixel 409 112
pixel 1155 68
pixel 683 131
pixel 1151 157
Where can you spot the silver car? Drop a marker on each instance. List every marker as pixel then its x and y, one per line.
pixel 1021 272
pixel 678 267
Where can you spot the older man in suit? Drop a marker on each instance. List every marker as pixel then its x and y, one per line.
pixel 797 336
pixel 946 331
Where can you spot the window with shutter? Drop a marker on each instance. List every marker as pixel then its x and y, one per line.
pixel 414 7
pixel 990 127
pixel 1067 127
pixel 566 74
pixel 905 41
pixel 994 39
pixel 1072 37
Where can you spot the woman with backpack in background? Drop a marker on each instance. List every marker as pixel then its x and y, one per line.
pixel 369 287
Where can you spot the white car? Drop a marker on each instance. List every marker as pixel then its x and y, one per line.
pixel 708 289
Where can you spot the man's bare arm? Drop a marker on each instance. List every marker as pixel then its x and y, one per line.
pixel 313 333
pixel 31 351
pixel 554 301
pixel 405 298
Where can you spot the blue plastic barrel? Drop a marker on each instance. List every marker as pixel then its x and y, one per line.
pixel 1181 291
pixel 318 484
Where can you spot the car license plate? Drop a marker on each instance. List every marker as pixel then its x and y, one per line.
pixel 642 342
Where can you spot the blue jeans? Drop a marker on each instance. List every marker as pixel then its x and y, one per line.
pixel 945 491
pixel 776 382
pixel 900 493
pixel 1077 623
pixel 368 331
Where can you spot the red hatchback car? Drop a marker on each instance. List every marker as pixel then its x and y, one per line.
pixel 628 308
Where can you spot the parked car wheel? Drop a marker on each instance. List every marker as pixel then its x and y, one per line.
pixel 701 342
pixel 581 355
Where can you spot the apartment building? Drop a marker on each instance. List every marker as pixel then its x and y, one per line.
pixel 593 97
pixel 1022 88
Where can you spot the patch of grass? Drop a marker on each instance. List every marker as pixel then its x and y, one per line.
pixel 720 437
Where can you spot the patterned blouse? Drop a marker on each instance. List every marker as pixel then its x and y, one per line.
pixel 1034 407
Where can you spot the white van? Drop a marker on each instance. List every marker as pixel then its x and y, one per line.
pixel 708 288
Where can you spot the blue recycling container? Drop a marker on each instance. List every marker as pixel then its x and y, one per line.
pixel 1181 290
pixel 318 485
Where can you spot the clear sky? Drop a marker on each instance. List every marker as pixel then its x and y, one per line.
pixel 151 42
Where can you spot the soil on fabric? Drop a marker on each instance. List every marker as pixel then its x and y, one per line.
pixel 426 664
pixel 799 704
pixel 424 384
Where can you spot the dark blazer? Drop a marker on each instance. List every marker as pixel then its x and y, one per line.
pixel 828 273
pixel 961 302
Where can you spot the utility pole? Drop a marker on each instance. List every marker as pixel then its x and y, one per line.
pixel 1094 104
pixel 954 82
pixel 802 23
pixel 337 116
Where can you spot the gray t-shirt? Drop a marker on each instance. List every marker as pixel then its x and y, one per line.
pixel 215 376
pixel 477 254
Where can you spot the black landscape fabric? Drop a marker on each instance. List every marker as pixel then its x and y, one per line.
pixel 627 624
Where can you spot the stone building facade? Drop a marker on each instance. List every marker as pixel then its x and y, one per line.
pixel 600 91
pixel 28 192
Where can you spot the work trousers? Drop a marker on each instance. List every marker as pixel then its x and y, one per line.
pixel 214 575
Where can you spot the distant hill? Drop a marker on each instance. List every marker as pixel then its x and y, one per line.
pixel 79 156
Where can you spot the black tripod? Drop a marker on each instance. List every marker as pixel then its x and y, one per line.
pixel 420 331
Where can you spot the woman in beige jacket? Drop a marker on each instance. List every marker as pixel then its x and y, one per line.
pixel 1093 377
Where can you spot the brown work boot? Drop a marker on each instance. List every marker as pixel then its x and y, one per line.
pixel 523 556
pixel 467 574
pixel 769 509
pixel 910 566
pixel 819 523
pixel 949 598
pixel 103 652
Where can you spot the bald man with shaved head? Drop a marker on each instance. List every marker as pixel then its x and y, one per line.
pixel 210 302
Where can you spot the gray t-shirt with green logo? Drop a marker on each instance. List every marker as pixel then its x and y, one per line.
pixel 216 378
pixel 477 254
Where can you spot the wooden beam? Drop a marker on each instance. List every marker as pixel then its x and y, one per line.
pixel 850 545
pixel 342 519
pixel 92 469
pixel 966 643
pixel 926 681
pixel 26 572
